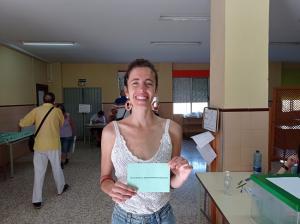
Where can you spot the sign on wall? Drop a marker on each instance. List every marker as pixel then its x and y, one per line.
pixel 84 108
pixel 211 119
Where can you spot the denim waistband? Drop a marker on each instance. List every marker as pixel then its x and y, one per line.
pixel 141 217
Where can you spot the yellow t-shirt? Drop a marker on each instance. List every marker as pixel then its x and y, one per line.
pixel 48 137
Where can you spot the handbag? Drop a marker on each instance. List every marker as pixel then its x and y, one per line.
pixel 31 143
pixel 32 137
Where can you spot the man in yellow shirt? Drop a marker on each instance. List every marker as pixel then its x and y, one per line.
pixel 46 147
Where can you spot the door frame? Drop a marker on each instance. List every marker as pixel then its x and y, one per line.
pixel 42 88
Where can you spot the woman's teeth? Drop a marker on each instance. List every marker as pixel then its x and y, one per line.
pixel 141 97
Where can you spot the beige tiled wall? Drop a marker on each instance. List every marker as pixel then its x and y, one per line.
pixel 242 134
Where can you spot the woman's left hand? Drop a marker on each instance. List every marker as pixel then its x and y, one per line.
pixel 180 167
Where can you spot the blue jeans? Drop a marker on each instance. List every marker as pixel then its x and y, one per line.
pixel 66 144
pixel 163 216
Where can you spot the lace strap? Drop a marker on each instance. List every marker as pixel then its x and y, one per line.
pixel 167 126
pixel 116 127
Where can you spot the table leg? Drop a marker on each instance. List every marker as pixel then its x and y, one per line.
pixel 204 210
pixel 11 159
pixel 83 135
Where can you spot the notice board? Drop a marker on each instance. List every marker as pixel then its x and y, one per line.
pixel 211 119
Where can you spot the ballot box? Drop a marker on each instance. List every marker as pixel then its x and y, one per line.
pixel 275 199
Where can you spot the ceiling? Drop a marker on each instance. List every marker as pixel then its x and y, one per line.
pixel 118 31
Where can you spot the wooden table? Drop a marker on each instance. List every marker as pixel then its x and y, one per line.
pixel 7 140
pixel 90 126
pixel 235 208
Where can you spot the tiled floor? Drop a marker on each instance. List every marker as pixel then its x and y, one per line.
pixel 84 202
pixel 187 200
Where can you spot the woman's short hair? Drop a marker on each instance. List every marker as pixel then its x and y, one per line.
pixel 140 63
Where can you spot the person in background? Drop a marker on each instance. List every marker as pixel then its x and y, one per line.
pixel 67 133
pixel 155 106
pixel 112 114
pixel 121 100
pixel 98 118
pixel 288 164
pixel 119 105
pixel 149 139
pixel 46 147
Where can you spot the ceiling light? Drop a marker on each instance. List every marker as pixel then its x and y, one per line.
pixel 282 43
pixel 176 42
pixel 54 44
pixel 184 18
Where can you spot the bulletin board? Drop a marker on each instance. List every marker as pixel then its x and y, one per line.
pixel 211 119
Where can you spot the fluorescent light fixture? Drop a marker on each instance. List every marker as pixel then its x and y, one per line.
pixel 54 44
pixel 176 42
pixel 283 43
pixel 184 18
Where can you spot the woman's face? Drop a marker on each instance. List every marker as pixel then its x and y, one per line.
pixel 141 86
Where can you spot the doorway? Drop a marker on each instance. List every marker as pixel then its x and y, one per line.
pixel 75 96
pixel 41 90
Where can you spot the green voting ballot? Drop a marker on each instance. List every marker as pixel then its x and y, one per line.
pixel 149 177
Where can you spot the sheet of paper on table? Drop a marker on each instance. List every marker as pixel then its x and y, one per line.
pixel 289 184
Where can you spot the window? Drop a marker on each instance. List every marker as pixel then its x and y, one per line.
pixel 190 95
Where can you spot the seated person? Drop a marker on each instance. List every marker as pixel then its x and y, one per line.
pixel 98 118
pixel 112 114
pixel 119 106
pixel 121 113
pixel 117 113
pixel 155 105
pixel 287 165
pixel 121 100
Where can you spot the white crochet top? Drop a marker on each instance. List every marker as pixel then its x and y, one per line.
pixel 141 203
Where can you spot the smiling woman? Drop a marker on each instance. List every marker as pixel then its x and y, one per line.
pixel 141 138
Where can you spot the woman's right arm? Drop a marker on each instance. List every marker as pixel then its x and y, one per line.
pixel 118 191
pixel 106 170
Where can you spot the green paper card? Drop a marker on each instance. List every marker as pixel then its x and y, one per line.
pixel 149 177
